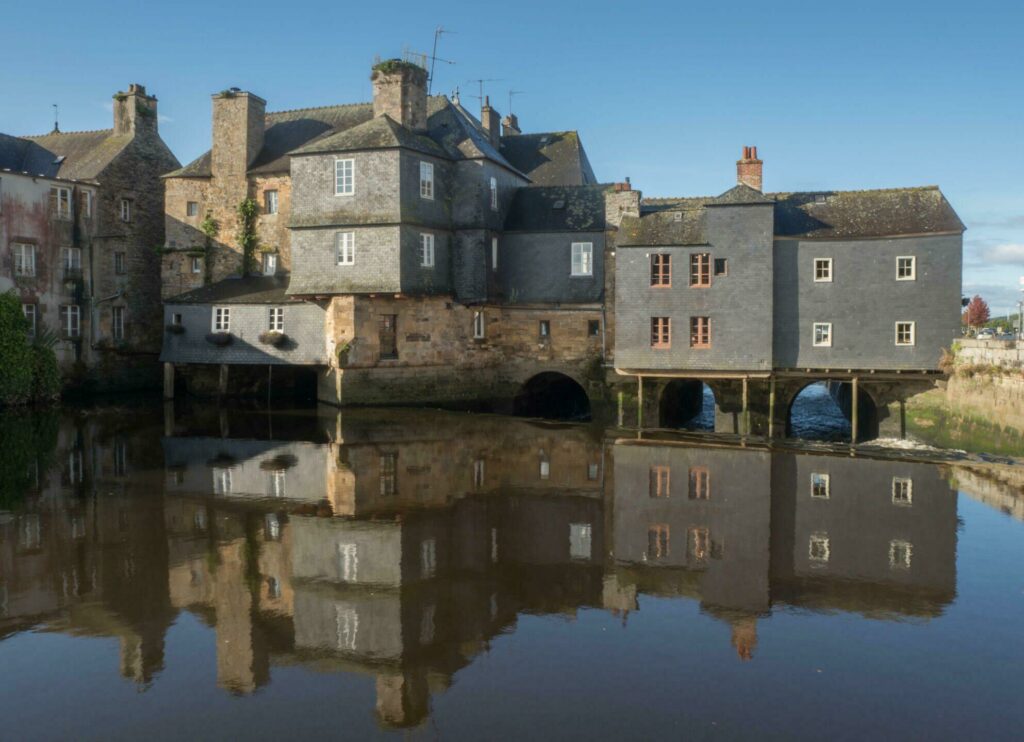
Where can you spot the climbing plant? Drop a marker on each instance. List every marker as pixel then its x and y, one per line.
pixel 210 228
pixel 28 371
pixel 247 239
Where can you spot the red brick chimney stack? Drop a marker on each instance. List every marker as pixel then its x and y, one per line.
pixel 749 169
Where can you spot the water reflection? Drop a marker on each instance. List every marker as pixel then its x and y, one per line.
pixel 398 544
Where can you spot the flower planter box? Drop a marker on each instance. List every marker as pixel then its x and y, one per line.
pixel 273 338
pixel 220 339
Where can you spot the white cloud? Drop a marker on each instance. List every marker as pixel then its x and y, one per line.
pixel 163 119
pixel 1008 253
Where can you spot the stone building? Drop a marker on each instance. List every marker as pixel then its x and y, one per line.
pixel 80 229
pixel 402 249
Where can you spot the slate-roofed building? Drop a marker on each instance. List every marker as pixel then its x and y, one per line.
pixel 81 218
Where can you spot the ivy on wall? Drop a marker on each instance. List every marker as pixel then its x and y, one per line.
pixel 28 370
pixel 248 210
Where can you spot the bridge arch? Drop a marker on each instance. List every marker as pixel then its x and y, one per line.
pixel 552 395
pixel 823 410
pixel 687 403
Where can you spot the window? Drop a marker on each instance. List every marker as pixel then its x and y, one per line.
pixel 60 202
pixel 902 491
pixel 117 322
pixel 479 327
pixel 346 620
pixel 593 328
pixel 269 263
pixel 24 259
pixel 818 551
pixel 348 571
pixel 906 268
pixel 388 474
pixel 822 269
pixel 176 319
pixel 494 253
pixel 700 483
pixel 29 310
pixel 126 210
pixel 71 259
pixel 545 466
pixel 900 553
pixel 700 270
pixel 580 541
pixel 197 265
pixel 192 208
pixel 661 332
pixel 544 328
pixel 700 332
pixel 658 541
pixel 427 250
pixel 721 266
pixel 345 248
pixel 344 177
pixel 494 194
pixel 273 588
pixel 428 558
pixel 582 259
pixel 270 201
pixel 86 201
pixel 822 334
pixel 821 486
pixel 479 469
pixel 660 482
pixel 904 333
pixel 387 335
pixel 119 264
pixel 426 180
pixel 221 319
pixel 592 471
pixel 661 270
pixel 70 320
pixel 276 319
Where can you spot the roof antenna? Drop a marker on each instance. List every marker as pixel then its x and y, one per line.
pixel 56 126
pixel 480 82
pixel 510 94
pixel 433 55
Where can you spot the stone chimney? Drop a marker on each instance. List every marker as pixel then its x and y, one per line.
pixel 491 121
pixel 400 91
pixel 748 169
pixel 134 111
pixel 621 201
pixel 510 125
pixel 238 126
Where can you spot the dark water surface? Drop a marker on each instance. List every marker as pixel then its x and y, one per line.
pixel 218 575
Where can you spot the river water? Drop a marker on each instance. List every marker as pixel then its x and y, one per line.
pixel 212 574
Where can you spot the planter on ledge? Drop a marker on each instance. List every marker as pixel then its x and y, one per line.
pixel 272 338
pixel 220 339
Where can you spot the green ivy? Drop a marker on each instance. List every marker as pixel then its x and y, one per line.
pixel 248 210
pixel 16 362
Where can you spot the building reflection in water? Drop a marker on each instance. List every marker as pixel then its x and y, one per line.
pixel 398 544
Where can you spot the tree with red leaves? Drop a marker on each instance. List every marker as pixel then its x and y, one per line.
pixel 977 313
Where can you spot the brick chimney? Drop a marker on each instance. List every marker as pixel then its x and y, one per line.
pixel 621 201
pixel 400 92
pixel 748 169
pixel 510 125
pixel 239 120
pixel 134 111
pixel 491 121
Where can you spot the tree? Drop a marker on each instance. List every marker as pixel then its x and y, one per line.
pixel 976 313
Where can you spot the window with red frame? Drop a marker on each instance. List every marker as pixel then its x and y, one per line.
pixel 700 332
pixel 700 483
pixel 700 269
pixel 661 270
pixel 661 481
pixel 661 332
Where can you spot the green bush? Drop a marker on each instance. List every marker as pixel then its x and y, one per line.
pixel 16 361
pixel 29 442
pixel 45 375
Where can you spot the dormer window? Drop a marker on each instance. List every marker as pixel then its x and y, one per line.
pixel 427 180
pixel 344 177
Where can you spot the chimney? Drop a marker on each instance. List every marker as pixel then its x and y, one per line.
pixel 400 91
pixel 621 201
pixel 238 125
pixel 748 169
pixel 510 125
pixel 134 111
pixel 491 121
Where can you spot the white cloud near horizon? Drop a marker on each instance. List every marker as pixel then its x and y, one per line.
pixel 1007 253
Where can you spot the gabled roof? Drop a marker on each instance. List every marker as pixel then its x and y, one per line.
pixel 681 225
pixel 248 290
pixel 79 155
pixel 377 133
pixel 557 209
pixel 463 136
pixel 552 158
pixel 740 195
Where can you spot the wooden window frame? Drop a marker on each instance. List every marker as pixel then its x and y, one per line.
pixel 659 541
pixel 275 319
pixel 699 483
pixel 661 270
pixel 71 321
pixel 221 320
pixel 913 333
pixel 585 251
pixel 271 201
pixel 196 266
pixel 661 332
pixel 426 250
pixel 700 332
pixel 700 270
pixel 825 481
pixel 25 254
pixel 823 279
pixel 344 182
pixel 660 481
pixel 913 268
pixel 814 334
pixel 427 180
pixel 345 248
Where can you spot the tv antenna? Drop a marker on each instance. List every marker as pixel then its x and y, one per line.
pixel 480 81
pixel 512 93
pixel 56 119
pixel 438 32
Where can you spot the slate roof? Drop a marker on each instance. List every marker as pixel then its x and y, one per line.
pixel 377 133
pixel 248 290
pixel 557 209
pixel 679 225
pixel 740 195
pixel 552 158
pixel 78 155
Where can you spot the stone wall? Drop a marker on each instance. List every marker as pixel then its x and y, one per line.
pixel 1007 354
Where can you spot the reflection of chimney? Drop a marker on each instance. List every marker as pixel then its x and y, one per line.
pixel 748 169
pixel 400 92
pixel 491 121
pixel 402 700
pixel 510 125
pixel 744 637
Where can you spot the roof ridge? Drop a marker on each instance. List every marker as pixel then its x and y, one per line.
pixel 891 189
pixel 61 133
pixel 320 108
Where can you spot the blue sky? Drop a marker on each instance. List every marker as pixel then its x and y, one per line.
pixel 835 95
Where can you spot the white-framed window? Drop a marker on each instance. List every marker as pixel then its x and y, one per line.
pixel 191 208
pixel 906 268
pixel 86 199
pixel 126 209
pixel 71 258
pixel 29 310
pixel 427 250
pixel 276 484
pixel 272 527
pixel 905 333
pixel 902 491
pixel 823 269
pixel 269 263
pixel 494 194
pixel 221 481
pixel 580 541
pixel 346 625
pixel 221 319
pixel 821 486
pixel 348 562
pixel 818 550
pixel 270 201
pixel 345 248
pixel 70 320
pixel 24 259
pixel 197 265
pixel 900 554
pixel 479 325
pixel 119 264
pixel 822 334
pixel 545 468
pixel 276 319
pixel 176 318
pixel 583 258
pixel 117 322
pixel 494 253
pixel 60 202
pixel 427 180
pixel 344 177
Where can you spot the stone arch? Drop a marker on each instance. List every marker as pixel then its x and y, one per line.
pixel 820 421
pixel 684 404
pixel 552 395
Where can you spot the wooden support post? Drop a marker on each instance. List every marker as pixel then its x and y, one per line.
pixel 640 402
pixel 853 412
pixel 771 409
pixel 168 381
pixel 222 381
pixel 745 424
pixel 621 405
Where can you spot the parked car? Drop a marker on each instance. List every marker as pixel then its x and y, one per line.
pixel 987 334
pixel 1006 336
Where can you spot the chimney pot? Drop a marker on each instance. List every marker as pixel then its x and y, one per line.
pixel 749 169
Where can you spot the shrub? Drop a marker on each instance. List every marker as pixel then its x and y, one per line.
pixel 45 375
pixel 16 362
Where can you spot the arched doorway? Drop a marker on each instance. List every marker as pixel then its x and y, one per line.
pixel 687 404
pixel 822 411
pixel 553 396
